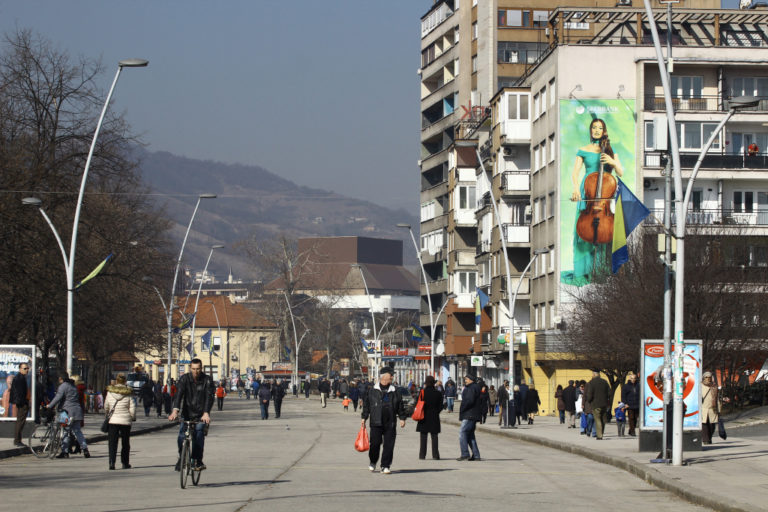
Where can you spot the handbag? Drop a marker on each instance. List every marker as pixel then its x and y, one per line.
pixel 418 411
pixel 107 417
pixel 721 429
pixel 361 442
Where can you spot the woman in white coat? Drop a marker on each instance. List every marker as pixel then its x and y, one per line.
pixel 120 404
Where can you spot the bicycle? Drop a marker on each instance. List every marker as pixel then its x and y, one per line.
pixel 46 439
pixel 186 456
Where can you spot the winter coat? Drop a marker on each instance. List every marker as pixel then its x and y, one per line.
pixel 532 401
pixel 264 393
pixel 373 405
pixel 324 387
pixel 630 395
pixel 471 407
pixel 503 396
pixel 493 396
pixel 147 393
pixel 278 392
pixel 450 391
pixel 599 393
pixel 433 404
pixel 560 401
pixel 66 397
pixel 197 396
pixel 354 393
pixel 569 398
pixel 119 400
pixel 484 400
pixel 523 401
pixel 19 390
pixel 709 406
pixel 344 388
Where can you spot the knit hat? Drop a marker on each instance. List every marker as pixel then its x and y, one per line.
pixel 470 377
pixel 386 369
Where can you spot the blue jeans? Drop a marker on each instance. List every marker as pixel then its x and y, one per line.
pixel 449 401
pixel 74 427
pixel 591 430
pixel 264 410
pixel 467 439
pixel 198 440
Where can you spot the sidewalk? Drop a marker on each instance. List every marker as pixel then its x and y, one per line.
pixel 92 431
pixel 727 476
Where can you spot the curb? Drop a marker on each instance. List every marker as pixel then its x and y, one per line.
pixel 649 475
pixel 95 438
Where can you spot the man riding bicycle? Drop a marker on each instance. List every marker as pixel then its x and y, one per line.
pixel 194 398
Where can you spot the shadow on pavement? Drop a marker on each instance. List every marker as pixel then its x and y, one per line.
pixel 252 482
pixel 206 504
pixel 427 470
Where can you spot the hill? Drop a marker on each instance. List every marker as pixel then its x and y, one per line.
pixel 253 202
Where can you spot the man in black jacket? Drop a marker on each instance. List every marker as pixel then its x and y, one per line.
pixel 383 404
pixel 194 398
pixel 469 414
pixel 20 402
pixel 278 393
pixel 569 398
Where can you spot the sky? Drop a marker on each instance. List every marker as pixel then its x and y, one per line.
pixel 325 94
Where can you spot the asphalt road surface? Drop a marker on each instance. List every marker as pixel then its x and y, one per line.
pixel 305 461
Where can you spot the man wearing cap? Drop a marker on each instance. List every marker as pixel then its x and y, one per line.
pixel 470 413
pixel 630 395
pixel 383 404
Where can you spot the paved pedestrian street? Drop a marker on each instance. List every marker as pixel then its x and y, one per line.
pixel 305 460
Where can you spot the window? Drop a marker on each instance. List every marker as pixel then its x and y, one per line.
pixel 749 86
pixel 552 148
pixel 650 137
pixel 695 200
pixel 262 343
pixel 512 52
pixel 543 95
pixel 551 204
pixel 517 106
pixel 474 63
pixel 686 87
pixel 551 258
pixel 474 31
pixel 467 197
pixel 692 135
pixel 428 211
pixel 536 106
pixel 467 282
pixel 743 201
pixel 474 3
pixel 543 206
pixel 540 18
pixel 216 343
pixel 552 95
pixel 456 67
pixel 456 35
pixel 536 216
pixel 536 154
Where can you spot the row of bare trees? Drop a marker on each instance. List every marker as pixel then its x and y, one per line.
pixel 725 307
pixel 49 104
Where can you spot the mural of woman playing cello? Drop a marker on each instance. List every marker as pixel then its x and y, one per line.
pixel 594 193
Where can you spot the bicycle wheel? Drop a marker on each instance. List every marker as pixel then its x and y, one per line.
pixel 56 432
pixel 195 476
pixel 40 441
pixel 186 465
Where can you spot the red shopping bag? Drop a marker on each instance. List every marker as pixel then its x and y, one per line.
pixel 361 443
pixel 418 411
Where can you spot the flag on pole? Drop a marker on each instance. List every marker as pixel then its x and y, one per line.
pixel 367 347
pixel 206 344
pixel 629 213
pixel 478 312
pixel 184 324
pixel 417 333
pixel 95 271
pixel 484 299
pixel 190 349
pixel 287 352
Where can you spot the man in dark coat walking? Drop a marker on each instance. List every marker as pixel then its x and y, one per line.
pixel 20 403
pixel 469 414
pixel 599 396
pixel 569 398
pixel 430 425
pixel 522 409
pixel 383 404
pixel 278 393
pixel 630 395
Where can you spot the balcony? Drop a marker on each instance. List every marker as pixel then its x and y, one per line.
pixel 483 247
pixel 516 131
pixel 699 104
pixel 716 217
pixel 516 183
pixel 517 233
pixel 712 161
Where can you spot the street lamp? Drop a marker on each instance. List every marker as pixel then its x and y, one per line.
pixel 224 356
pixel 296 342
pixel 429 299
pixel 200 289
pixel 441 347
pixel 681 208
pixel 69 264
pixel 169 313
pixel 376 346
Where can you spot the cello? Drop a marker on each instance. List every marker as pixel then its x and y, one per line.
pixel 595 222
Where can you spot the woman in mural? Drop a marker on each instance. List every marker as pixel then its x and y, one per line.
pixel 588 256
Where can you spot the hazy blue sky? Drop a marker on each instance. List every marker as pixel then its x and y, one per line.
pixel 322 93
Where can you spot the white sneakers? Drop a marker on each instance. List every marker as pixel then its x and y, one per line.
pixel 371 468
pixel 386 471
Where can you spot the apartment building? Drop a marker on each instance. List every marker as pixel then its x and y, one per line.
pixel 473 52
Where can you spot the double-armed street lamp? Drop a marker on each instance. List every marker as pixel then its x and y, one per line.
pixel 296 341
pixel 169 312
pixel 200 287
pixel 69 262
pixel 377 348
pixel 223 356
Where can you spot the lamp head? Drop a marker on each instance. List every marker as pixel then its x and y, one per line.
pixel 403 225
pixel 207 196
pixel 740 102
pixel 218 246
pixel 544 250
pixel 133 63
pixel 31 201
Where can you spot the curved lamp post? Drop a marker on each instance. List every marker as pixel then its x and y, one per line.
pixel 296 341
pixel 169 314
pixel 70 262
pixel 200 289
pixel 224 358
pixel 376 346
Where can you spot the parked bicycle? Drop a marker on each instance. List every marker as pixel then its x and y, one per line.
pixel 187 463
pixel 46 439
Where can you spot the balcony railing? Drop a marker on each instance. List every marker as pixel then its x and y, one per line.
pixel 715 217
pixel 712 161
pixel 655 102
pixel 516 181
pixel 517 233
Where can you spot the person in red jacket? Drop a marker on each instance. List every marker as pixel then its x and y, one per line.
pixel 220 394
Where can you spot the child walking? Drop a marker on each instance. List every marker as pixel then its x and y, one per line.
pixel 621 418
pixel 345 403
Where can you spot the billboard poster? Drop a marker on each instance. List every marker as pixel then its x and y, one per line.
pixel 595 135
pixel 652 397
pixel 11 357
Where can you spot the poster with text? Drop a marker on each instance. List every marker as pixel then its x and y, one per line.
pixel 597 144
pixel 11 358
pixel 652 398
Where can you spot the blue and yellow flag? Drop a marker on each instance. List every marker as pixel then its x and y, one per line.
pixel 629 213
pixel 417 333
pixel 95 271
pixel 206 342
pixel 184 324
pixel 368 348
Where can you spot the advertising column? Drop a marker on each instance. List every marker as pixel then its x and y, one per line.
pixel 11 357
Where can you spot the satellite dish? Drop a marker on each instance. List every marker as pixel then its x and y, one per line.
pixel 440 350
